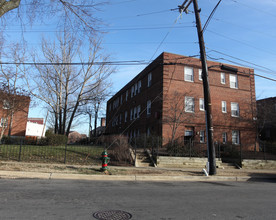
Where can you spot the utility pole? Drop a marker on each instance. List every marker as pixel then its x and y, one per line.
pixel 206 90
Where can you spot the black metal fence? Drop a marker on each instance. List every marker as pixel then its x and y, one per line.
pixel 71 154
pixel 226 152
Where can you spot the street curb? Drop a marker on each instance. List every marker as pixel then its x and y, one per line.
pixel 65 176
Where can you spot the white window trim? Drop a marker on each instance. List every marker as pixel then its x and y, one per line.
pixel 238 137
pixel 235 104
pixel 200 74
pixel 187 68
pixel 223 102
pixel 222 78
pixel 236 81
pixel 201 103
pixel 193 104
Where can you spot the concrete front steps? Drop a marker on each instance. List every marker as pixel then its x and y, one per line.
pixel 143 159
pixel 187 162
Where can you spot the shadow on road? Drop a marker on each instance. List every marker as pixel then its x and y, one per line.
pixel 262 177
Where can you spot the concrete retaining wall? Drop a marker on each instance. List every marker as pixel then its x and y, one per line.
pixel 183 162
pixel 259 164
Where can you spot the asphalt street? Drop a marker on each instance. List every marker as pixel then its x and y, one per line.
pixel 73 199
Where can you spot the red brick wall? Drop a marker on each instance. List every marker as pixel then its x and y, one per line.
pixel 223 122
pixel 168 79
pixel 19 119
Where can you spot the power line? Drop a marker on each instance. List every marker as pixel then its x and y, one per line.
pixel 99 29
pixel 245 61
pixel 167 34
pixel 256 9
pixel 241 42
pixel 236 63
pixel 210 16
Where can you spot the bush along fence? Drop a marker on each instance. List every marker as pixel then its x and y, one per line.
pixel 70 154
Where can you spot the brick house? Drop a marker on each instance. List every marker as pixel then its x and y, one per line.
pixel 166 100
pixel 266 109
pixel 17 108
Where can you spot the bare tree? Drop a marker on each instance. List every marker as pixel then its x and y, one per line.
pixel 63 87
pixel 174 113
pixel 73 13
pixel 13 100
pixel 13 97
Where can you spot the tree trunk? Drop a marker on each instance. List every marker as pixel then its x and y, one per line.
pixel 10 125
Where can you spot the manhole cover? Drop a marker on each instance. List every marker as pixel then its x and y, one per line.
pixel 112 215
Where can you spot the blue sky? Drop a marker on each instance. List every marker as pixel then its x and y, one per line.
pixel 241 31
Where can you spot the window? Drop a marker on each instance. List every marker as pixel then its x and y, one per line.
pixel 148 107
pixel 125 116
pixel 120 121
pixel 139 86
pixel 138 111
pixel 202 136
pixel 148 132
pixel 201 104
pixel 200 74
pixel 126 95
pixel 188 74
pixel 224 137
pixel 6 104
pixel 135 89
pixel 233 81
pixel 109 106
pixel 121 99
pixel 149 79
pixel 132 91
pixel 3 122
pixel 223 107
pixel 131 114
pixel 235 109
pixel 189 104
pixel 135 113
pixel 222 78
pixel 235 137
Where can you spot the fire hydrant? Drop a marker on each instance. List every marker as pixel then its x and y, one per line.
pixel 105 160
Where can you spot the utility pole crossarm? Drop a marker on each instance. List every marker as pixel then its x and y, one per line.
pixel 183 7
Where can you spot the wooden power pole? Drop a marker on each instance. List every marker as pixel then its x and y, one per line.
pixel 207 97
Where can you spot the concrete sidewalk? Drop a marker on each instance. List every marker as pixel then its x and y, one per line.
pixel 15 170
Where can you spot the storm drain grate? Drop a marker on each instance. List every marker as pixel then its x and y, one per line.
pixel 112 215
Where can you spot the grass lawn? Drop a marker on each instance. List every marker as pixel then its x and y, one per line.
pixel 72 154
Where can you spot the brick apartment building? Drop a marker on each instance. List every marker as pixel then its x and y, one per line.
pixel 20 107
pixel 166 99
